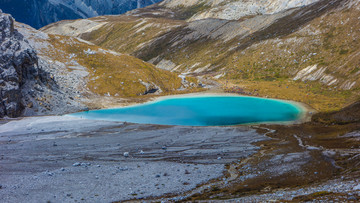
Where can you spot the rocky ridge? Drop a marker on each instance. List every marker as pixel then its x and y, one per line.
pixel 39 13
pixel 18 63
pixel 233 10
pixel 28 85
pixel 46 74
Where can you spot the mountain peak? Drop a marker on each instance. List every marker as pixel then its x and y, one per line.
pixel 43 12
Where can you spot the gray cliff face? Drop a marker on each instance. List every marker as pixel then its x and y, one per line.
pixel 18 63
pixel 27 84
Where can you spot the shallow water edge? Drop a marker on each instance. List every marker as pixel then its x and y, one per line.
pixel 303 113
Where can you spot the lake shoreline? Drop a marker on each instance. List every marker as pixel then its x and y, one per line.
pixel 304 112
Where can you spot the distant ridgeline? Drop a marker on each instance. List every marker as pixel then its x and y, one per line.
pixel 38 13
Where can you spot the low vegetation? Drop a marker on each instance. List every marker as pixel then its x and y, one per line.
pixel 266 59
pixel 114 74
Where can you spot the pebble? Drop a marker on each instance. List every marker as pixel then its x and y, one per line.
pixel 85 164
pixel 164 147
pixel 123 168
pixel 352 198
pixel 357 187
pixel 157 176
pixel 142 152
pixel 62 169
pixel 126 154
pixel 77 164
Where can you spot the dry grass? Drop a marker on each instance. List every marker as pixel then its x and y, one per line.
pixel 125 33
pixel 331 41
pixel 312 94
pixel 117 75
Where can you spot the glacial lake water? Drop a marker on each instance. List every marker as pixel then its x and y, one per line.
pixel 201 111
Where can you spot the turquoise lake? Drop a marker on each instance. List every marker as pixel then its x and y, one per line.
pixel 201 111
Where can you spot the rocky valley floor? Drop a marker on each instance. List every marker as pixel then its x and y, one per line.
pixel 65 159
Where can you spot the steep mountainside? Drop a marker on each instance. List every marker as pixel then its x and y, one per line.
pixel 308 53
pixel 38 13
pixel 44 74
pixel 230 9
pixel 17 64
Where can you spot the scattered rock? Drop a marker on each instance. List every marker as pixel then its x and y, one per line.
pixel 85 164
pixel 126 154
pixel 352 198
pixel 77 164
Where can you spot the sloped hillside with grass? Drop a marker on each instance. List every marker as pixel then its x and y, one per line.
pixel 308 53
pixel 192 10
pixel 111 73
pixel 86 75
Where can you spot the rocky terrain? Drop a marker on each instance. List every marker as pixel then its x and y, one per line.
pixel 72 159
pixel 307 51
pixel 232 9
pixel 46 74
pixel 20 70
pixel 117 161
pixel 38 13
pixel 311 49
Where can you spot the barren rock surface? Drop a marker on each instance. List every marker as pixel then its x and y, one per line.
pixel 63 159
pixel 18 62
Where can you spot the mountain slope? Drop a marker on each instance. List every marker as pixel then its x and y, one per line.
pixel 307 53
pixel 42 74
pixel 38 13
pixel 230 9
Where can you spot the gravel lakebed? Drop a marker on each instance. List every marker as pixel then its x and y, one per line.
pixel 66 159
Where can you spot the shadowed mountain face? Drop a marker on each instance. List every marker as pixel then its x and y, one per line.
pixel 38 13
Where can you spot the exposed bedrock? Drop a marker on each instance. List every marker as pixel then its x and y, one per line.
pixel 18 63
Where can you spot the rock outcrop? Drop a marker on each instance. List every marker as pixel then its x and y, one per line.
pixel 44 74
pixel 27 78
pixel 232 9
pixel 18 63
